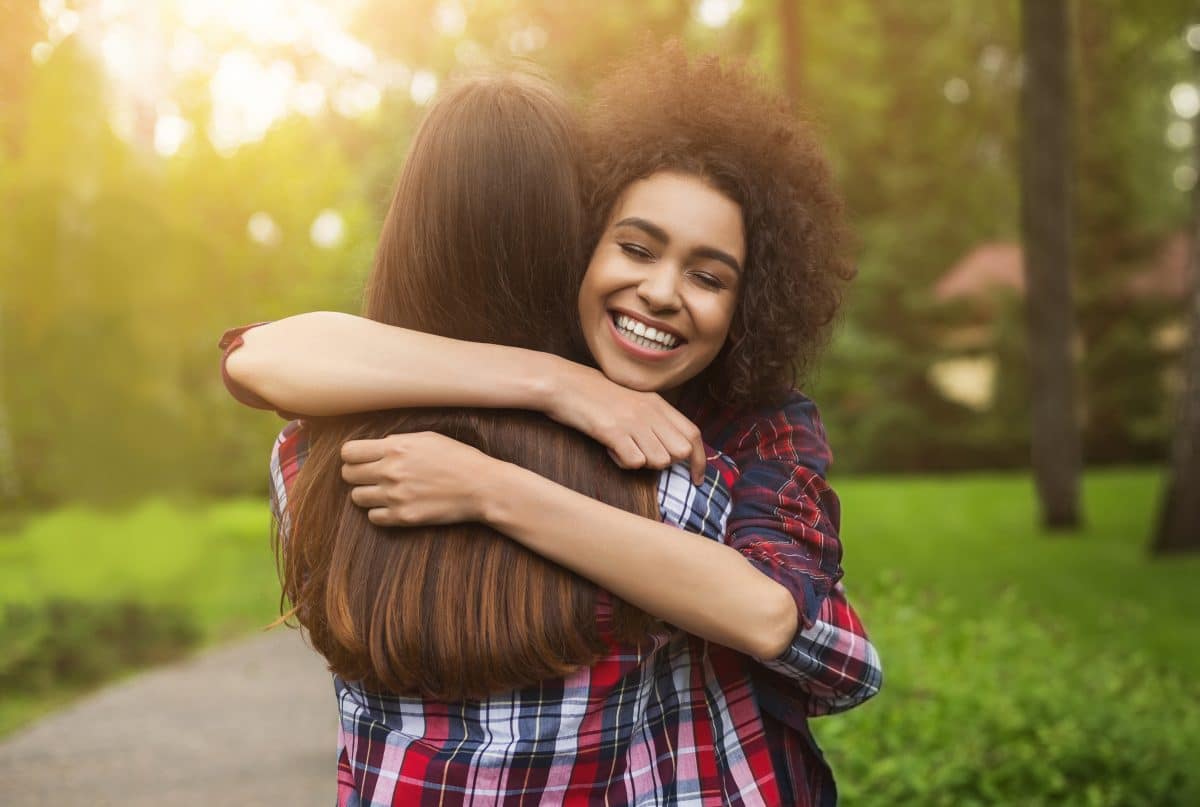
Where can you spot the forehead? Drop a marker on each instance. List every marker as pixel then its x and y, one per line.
pixel 688 209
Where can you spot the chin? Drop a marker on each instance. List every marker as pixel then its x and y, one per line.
pixel 634 380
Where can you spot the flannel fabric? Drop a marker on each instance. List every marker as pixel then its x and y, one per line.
pixel 685 685
pixel 784 518
pixel 672 720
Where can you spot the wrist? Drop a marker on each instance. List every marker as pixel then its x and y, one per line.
pixel 486 489
pixel 551 385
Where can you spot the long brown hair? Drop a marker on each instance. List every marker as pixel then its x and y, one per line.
pixel 480 243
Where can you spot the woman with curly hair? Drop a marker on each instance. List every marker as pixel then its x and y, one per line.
pixel 716 271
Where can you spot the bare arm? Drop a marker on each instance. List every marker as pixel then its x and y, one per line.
pixel 329 363
pixel 701 586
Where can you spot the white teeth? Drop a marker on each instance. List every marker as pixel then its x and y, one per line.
pixel 643 335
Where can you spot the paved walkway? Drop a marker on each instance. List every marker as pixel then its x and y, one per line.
pixel 252 723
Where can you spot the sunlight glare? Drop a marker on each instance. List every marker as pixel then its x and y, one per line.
pixel 1180 135
pixel 1192 37
pixel 1184 177
pixel 717 13
pixel 1185 99
pixel 356 99
pixel 262 229
pixel 327 229
pixel 956 90
pixel 449 19
pixel 40 52
pixel 170 132
pixel 308 98
pixel 423 88
pixel 247 98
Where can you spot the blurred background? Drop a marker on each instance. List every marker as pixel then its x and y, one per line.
pixel 170 169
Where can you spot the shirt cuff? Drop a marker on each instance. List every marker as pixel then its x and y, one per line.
pixel 231 340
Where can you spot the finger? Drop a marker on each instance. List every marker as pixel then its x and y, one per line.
pixel 358 451
pixel 697 453
pixel 653 449
pixel 674 442
pixel 383 517
pixel 682 450
pixel 363 473
pixel 699 462
pixel 626 453
pixel 368 496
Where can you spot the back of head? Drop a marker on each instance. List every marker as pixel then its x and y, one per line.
pixel 485 226
pixel 480 242
pixel 664 110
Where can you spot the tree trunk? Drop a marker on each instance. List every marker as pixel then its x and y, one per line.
pixel 1046 232
pixel 1179 520
pixel 792 50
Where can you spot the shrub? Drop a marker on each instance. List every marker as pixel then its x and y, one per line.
pixel 1003 710
pixel 63 642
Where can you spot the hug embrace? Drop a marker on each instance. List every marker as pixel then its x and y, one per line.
pixel 552 508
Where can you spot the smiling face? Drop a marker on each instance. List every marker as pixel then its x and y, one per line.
pixel 662 285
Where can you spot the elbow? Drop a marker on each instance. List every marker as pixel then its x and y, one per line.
pixel 779 625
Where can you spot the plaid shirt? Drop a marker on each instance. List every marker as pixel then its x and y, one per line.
pixel 672 721
pixel 784 519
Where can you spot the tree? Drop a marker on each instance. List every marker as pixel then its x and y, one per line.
pixel 1046 232
pixel 792 47
pixel 1179 520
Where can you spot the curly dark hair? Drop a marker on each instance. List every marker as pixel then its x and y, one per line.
pixel 663 110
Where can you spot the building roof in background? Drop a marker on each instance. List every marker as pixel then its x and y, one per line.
pixel 988 266
pixel 996 265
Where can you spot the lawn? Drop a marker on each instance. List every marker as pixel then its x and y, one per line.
pixel 1020 667
pixel 973 540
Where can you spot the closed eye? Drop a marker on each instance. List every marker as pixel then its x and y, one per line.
pixel 636 251
pixel 709 281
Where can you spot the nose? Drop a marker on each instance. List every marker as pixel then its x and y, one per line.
pixel 659 289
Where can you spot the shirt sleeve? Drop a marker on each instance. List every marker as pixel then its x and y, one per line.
pixel 287 456
pixel 230 341
pixel 831 665
pixel 785 516
pixel 832 662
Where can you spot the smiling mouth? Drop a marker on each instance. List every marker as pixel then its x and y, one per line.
pixel 643 335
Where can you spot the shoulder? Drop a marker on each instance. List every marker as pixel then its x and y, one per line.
pixel 787 430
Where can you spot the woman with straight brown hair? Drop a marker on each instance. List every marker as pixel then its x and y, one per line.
pixel 712 196
pixel 467 668
pixel 462 611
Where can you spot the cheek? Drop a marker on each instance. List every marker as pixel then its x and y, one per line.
pixel 718 321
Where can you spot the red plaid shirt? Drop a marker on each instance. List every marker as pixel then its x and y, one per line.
pixel 784 519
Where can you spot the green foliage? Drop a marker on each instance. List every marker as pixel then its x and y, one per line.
pixel 1019 668
pixel 69 643
pixel 89 594
pixel 119 269
pixel 1007 709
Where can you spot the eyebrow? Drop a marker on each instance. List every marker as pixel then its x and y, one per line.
pixel 656 232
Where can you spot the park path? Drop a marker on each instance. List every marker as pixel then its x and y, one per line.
pixel 251 723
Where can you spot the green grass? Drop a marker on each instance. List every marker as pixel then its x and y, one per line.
pixel 1020 667
pixel 973 540
pixel 212 563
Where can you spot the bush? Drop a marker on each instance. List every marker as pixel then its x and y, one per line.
pixel 1002 710
pixel 62 642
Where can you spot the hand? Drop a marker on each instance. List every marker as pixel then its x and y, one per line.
pixel 640 429
pixel 406 480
